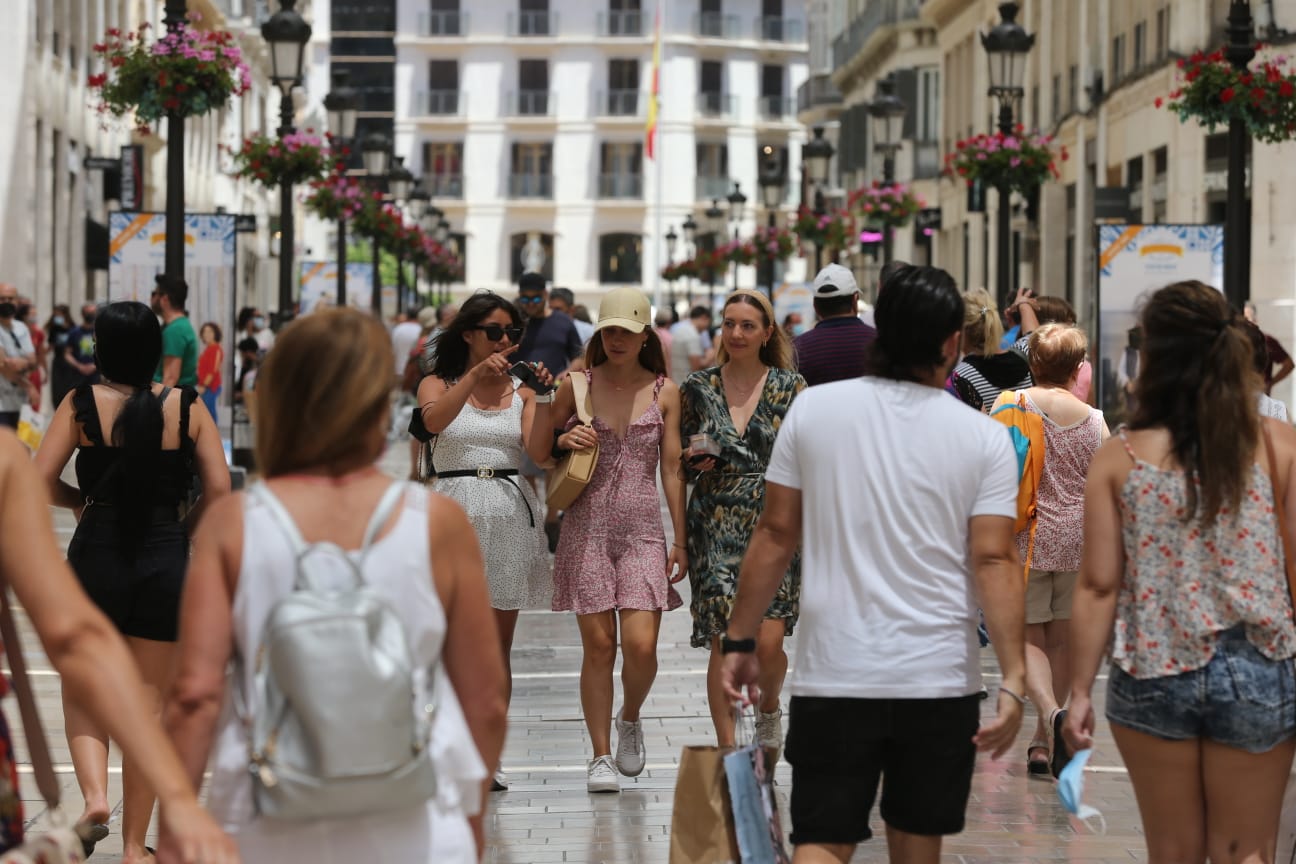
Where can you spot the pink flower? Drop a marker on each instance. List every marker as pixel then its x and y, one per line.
pixel 981 157
pixel 1014 161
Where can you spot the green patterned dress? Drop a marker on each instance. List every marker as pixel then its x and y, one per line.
pixel 728 500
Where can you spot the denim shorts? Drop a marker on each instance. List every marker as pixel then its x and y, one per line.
pixel 1240 699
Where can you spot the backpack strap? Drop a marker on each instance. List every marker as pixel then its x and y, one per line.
pixel 280 515
pixel 386 506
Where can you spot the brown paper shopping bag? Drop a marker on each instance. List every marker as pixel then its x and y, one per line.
pixel 702 824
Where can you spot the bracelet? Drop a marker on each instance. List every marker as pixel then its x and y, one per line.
pixel 545 398
pixel 681 546
pixel 1020 700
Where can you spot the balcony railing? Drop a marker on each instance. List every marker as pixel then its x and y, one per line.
pixel 710 186
pixel 533 24
pixel 443 23
pixel 927 164
pixel 531 103
pixel 714 104
pixel 530 186
pixel 778 29
pixel 619 103
pixel 777 107
pixel 444 185
pixel 438 102
pixel 715 25
pixel 817 90
pixel 620 186
pixel 876 15
pixel 618 23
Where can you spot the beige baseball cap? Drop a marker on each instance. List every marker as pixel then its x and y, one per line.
pixel 625 307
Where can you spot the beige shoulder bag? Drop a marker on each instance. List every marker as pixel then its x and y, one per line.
pixel 575 470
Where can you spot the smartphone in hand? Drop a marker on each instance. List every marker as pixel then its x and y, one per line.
pixel 525 373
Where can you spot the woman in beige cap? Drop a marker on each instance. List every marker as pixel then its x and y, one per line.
pixel 613 563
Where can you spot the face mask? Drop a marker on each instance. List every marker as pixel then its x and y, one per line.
pixel 1070 788
pixel 23 312
pixel 57 321
pixel 7 308
pixel 89 320
pixel 258 323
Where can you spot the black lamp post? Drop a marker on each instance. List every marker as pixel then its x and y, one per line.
pixel 771 186
pixel 400 182
pixel 690 239
pixel 1237 234
pixel 715 221
pixel 737 201
pixel 428 224
pixel 417 204
pixel 287 33
pixel 1007 45
pixel 815 157
pixel 888 114
pixel 672 241
pixel 375 151
pixel 175 167
pixel 343 107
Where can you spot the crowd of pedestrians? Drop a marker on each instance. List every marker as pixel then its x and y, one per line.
pixel 1163 546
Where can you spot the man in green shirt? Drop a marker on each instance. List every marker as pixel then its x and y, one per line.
pixel 179 366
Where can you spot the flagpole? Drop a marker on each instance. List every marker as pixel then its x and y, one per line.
pixel 658 246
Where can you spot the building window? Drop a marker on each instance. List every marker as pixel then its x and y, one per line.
pixel 712 170
pixel 711 96
pixel 621 169
pixel 534 18
pixel 773 104
pixel 533 87
pixel 623 88
pixel 624 18
pixel 1057 97
pixel 1140 46
pixel 532 171
pixel 443 87
pixel 620 259
pixel 529 249
pixel 444 19
pixel 927 116
pixel 1073 88
pixel 1162 33
pixel 443 168
pixel 1118 59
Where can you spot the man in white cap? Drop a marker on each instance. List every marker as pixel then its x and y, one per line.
pixel 837 348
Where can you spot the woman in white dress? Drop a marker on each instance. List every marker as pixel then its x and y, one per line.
pixel 323 424
pixel 481 417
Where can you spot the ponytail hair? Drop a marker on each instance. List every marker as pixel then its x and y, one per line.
pixel 982 328
pixel 128 345
pixel 1197 381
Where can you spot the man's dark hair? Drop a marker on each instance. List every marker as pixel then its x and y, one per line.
pixel 889 269
pixel 175 289
pixel 245 316
pixel 248 344
pixel 563 294
pixel 700 312
pixel 920 308
pixel 832 307
pixel 580 312
pixel 531 282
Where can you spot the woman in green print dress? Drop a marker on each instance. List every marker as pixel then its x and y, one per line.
pixel 739 405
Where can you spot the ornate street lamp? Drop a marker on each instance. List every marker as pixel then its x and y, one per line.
pixel 737 201
pixel 815 158
pixel 1240 50
pixel 690 228
pixel 342 105
pixel 400 183
pixel 672 243
pixel 287 33
pixel 375 153
pixel 715 223
pixel 772 183
pixel 175 21
pixel 888 115
pixel 1006 45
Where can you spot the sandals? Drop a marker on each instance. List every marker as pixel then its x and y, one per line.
pixel 90 835
pixel 1034 766
pixel 1061 753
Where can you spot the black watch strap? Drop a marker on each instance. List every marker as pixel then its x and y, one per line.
pixel 737 646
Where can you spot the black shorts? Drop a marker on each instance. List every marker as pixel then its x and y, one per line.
pixel 840 749
pixel 138 589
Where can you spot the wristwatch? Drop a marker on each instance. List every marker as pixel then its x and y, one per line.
pixel 737 646
pixel 544 398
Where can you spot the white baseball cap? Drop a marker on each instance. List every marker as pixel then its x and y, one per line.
pixel 835 281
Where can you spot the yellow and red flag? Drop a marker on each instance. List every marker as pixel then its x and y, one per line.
pixel 651 131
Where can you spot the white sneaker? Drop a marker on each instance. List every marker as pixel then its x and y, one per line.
pixel 630 753
pixel 601 776
pixel 769 731
pixel 499 782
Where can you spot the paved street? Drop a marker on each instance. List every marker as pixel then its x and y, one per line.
pixel 547 816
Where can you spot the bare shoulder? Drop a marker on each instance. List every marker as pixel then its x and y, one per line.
pixel 446 519
pixel 1283 434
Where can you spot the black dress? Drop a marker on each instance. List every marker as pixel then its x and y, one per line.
pixel 135 580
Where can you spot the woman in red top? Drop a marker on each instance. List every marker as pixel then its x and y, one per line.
pixel 209 365
pixel 36 380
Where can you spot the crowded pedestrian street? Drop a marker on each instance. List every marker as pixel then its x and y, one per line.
pixel 547 815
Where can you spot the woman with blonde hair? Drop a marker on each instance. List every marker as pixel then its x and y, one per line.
pixel 1073 431
pixel 612 565
pixel 985 371
pixel 738 404
pixel 1182 582
pixel 324 392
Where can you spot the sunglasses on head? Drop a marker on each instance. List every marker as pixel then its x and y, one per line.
pixel 496 332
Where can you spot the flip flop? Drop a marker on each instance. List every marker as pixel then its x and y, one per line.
pixel 1061 753
pixel 91 834
pixel 1037 767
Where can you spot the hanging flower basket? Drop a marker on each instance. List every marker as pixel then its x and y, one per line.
pixel 1021 161
pixel 742 252
pixel 379 221
pixel 682 270
pixel 441 263
pixel 887 204
pixel 336 196
pixel 1212 92
pixel 188 72
pixel 832 231
pixel 271 161
pixel 777 243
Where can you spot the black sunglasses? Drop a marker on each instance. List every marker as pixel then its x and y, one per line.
pixel 496 332
pixel 530 300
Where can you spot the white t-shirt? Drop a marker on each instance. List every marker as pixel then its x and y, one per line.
pixel 890 472
pixel 15 341
pixel 405 336
pixel 686 342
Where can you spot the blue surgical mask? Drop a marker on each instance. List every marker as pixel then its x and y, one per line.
pixel 57 321
pixel 1070 789
pixel 258 322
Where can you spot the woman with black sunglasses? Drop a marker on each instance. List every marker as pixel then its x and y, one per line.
pixel 480 416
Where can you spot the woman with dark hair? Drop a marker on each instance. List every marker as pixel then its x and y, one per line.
pixel 138 446
pixel 612 565
pixel 1269 407
pixel 1182 580
pixel 209 366
pixel 738 405
pixel 482 418
pixel 62 376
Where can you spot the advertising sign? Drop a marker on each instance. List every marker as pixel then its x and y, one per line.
pixel 319 286
pixel 1135 260
pixel 797 298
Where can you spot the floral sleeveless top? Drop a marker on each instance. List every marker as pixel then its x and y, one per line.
pixel 1184 583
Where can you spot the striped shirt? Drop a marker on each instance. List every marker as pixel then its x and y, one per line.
pixel 992 375
pixel 836 349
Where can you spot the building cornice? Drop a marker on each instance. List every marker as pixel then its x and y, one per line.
pixel 939 13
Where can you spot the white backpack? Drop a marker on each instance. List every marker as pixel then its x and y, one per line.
pixel 340 716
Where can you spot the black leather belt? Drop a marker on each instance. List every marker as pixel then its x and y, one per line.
pixel 485 472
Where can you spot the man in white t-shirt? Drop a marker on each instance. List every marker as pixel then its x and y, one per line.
pixel 688 353
pixel 898 553
pixel 405 337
